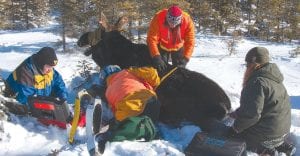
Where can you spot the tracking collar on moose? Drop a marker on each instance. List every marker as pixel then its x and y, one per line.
pixel 184 95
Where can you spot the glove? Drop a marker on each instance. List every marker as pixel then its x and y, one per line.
pixel 233 115
pixel 96 90
pixel 70 118
pixel 159 64
pixel 61 100
pixel 182 62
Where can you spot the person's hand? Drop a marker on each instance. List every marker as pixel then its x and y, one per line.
pixel 233 115
pixel 182 62
pixel 159 64
pixel 70 118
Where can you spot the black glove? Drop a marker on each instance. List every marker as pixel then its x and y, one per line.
pixel 233 115
pixel 182 62
pixel 102 138
pixel 70 118
pixel 61 101
pixel 159 64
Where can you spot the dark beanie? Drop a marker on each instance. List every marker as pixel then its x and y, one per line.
pixel 257 55
pixel 45 56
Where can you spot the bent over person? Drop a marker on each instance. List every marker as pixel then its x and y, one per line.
pixel 263 119
pixel 35 76
pixel 128 92
pixel 171 35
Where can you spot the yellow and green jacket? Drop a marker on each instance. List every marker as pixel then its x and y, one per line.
pixel 26 80
pixel 129 90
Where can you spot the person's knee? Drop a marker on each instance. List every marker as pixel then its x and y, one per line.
pixel 8 92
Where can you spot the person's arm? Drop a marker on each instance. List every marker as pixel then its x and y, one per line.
pixel 59 87
pixel 189 38
pixel 24 92
pixel 153 37
pixel 147 74
pixel 252 103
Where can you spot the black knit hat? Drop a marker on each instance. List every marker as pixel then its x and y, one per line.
pixel 45 56
pixel 257 55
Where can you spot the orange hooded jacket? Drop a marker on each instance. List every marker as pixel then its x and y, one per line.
pixel 129 90
pixel 160 34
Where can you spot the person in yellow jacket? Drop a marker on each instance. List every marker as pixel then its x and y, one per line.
pixel 171 34
pixel 130 92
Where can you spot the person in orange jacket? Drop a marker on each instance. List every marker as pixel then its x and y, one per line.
pixel 171 34
pixel 129 92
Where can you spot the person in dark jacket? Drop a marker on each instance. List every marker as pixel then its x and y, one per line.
pixel 263 119
pixel 35 76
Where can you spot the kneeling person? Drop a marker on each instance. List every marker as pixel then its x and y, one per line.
pixel 35 76
pixel 263 119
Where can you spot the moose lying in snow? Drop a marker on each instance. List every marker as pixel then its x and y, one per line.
pixel 184 95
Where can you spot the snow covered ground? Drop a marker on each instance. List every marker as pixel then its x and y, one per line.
pixel 26 136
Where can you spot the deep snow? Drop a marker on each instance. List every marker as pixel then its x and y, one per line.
pixel 26 136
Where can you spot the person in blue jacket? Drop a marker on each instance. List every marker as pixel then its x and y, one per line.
pixel 35 76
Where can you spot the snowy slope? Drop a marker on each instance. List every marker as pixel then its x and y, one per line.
pixel 25 136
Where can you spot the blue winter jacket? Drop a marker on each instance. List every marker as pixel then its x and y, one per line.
pixel 26 80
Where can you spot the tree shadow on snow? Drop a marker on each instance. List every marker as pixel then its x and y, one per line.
pixel 32 47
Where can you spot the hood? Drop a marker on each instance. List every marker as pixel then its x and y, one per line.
pixel 270 71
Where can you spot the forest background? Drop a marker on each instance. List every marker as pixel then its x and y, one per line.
pixel 269 20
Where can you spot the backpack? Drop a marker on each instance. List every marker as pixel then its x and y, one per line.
pixel 134 128
pixel 49 110
pixel 207 144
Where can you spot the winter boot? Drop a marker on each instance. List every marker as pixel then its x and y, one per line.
pixel 15 108
pixel 102 138
pixel 287 148
pixel 8 92
pixel 97 118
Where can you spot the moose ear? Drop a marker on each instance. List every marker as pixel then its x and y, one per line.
pixel 119 25
pixel 104 22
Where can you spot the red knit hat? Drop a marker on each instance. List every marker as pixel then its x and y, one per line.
pixel 174 11
pixel 174 15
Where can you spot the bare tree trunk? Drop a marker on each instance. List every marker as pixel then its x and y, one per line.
pixel 139 31
pixel 64 37
pixel 249 17
pixel 13 13
pixel 63 27
pixel 27 16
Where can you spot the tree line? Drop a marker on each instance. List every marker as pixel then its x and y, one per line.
pixel 271 20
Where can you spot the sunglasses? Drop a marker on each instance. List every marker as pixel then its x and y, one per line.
pixel 174 20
